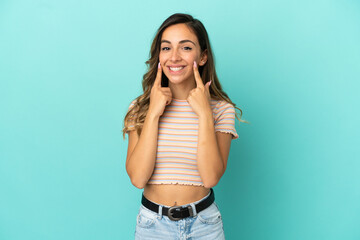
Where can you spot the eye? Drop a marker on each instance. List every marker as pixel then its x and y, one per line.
pixel 164 48
pixel 187 48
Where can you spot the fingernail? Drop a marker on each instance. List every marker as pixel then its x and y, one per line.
pixel 195 64
pixel 210 83
pixel 159 65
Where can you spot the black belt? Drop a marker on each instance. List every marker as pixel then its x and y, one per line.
pixel 176 213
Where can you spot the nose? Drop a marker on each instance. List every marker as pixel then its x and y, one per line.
pixel 175 56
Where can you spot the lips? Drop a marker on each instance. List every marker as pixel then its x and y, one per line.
pixel 176 68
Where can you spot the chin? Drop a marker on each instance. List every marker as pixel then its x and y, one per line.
pixel 176 79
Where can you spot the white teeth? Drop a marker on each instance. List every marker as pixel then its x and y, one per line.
pixel 176 69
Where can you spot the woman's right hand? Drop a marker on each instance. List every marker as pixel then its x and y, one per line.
pixel 159 96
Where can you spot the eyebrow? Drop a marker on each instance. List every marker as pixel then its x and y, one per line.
pixel 182 41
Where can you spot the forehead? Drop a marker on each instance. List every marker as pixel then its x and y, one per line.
pixel 176 33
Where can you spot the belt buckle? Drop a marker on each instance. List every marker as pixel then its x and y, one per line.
pixel 173 208
pixel 170 214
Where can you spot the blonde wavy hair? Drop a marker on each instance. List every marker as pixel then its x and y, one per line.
pixel 135 117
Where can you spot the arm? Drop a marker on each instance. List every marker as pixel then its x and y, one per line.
pixel 213 147
pixel 140 160
pixel 212 152
pixel 141 154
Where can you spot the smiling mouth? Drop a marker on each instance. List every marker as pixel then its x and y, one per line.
pixel 176 69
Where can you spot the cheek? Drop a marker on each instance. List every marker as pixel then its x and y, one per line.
pixel 191 58
pixel 160 58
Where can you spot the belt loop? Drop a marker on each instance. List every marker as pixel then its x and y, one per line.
pixel 193 208
pixel 160 212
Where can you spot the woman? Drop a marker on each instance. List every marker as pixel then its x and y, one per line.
pixel 180 130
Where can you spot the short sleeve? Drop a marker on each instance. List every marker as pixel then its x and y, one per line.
pixel 225 119
pixel 132 117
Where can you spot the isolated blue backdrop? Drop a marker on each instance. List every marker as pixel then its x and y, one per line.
pixel 69 69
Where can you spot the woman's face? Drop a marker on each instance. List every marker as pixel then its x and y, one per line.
pixel 178 50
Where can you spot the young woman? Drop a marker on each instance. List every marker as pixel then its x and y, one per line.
pixel 180 130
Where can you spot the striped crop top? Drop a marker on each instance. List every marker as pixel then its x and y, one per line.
pixel 178 138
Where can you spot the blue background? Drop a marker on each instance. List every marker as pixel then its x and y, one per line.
pixel 69 69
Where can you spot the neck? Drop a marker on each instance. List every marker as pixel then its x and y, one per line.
pixel 181 91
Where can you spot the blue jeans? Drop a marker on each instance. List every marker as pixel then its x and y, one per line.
pixel 206 224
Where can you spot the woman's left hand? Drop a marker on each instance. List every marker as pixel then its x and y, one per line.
pixel 199 97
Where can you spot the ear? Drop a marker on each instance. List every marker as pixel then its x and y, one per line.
pixel 203 58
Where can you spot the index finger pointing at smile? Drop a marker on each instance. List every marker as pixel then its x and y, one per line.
pixel 198 79
pixel 158 76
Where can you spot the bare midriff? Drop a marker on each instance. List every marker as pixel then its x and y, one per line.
pixel 168 194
